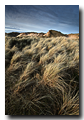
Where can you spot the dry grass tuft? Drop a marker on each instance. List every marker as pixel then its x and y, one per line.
pixel 70 105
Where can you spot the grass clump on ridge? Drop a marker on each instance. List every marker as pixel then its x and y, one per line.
pixel 41 76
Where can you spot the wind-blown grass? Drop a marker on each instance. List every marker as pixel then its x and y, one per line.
pixel 41 76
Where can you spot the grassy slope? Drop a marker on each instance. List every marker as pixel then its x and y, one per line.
pixel 41 76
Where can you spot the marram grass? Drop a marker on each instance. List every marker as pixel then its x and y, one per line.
pixel 41 76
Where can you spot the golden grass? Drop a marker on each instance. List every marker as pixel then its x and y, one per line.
pixel 16 57
pixel 70 105
pixel 41 76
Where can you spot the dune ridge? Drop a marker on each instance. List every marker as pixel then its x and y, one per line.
pixel 50 33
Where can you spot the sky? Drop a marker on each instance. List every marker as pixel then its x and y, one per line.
pixel 42 18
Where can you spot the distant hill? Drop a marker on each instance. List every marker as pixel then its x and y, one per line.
pixel 73 35
pixel 50 33
pixel 53 33
pixel 12 34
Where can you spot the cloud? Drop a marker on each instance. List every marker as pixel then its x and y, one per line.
pixel 12 28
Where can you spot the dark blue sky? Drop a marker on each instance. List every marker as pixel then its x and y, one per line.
pixel 41 18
